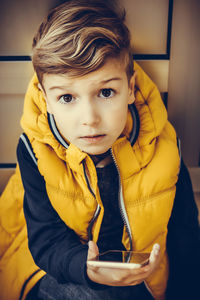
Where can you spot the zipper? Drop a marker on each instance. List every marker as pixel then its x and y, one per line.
pixel 122 206
pixel 89 230
pixel 148 288
pixel 124 215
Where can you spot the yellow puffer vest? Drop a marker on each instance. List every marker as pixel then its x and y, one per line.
pixel 148 173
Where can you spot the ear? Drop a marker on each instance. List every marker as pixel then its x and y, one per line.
pixel 45 97
pixel 132 88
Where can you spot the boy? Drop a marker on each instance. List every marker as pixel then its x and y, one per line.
pixel 100 165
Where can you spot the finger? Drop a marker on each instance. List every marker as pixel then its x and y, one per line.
pixel 128 279
pixel 93 247
pixel 154 253
pixel 136 282
pixel 125 283
pixel 93 250
pixel 92 268
pixel 130 276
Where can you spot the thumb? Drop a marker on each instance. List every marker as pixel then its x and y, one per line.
pixel 154 253
pixel 93 250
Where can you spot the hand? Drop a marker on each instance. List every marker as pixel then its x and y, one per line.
pixel 121 277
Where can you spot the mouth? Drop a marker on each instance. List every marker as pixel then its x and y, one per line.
pixel 93 138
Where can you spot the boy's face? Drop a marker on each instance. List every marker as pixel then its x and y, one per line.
pixel 90 111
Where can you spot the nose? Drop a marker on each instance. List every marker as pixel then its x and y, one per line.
pixel 90 115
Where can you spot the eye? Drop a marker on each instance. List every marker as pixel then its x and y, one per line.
pixel 106 93
pixel 68 98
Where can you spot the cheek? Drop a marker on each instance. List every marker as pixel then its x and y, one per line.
pixel 118 119
pixel 49 108
pixel 63 121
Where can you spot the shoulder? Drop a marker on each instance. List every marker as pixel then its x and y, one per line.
pixel 25 151
pixel 27 161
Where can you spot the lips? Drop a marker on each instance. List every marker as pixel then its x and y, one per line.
pixel 93 138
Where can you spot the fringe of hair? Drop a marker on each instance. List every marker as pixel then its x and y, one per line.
pixel 78 36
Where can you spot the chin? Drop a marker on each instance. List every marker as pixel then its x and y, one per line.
pixel 97 152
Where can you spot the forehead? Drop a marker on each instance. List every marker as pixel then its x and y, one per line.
pixel 113 68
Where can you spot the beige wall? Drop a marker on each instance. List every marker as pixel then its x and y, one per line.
pixel 184 78
pixel 19 19
pixel 148 22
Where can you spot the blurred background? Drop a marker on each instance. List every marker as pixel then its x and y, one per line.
pixel 165 42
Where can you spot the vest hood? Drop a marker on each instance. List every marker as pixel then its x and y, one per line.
pixel 150 115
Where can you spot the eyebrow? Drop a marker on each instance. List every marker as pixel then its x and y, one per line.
pixel 101 82
pixel 58 88
pixel 111 79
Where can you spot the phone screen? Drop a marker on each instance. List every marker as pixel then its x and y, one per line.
pixel 121 259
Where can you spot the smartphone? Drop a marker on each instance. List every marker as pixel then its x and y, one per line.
pixel 120 259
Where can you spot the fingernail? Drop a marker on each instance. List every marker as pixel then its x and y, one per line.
pixel 156 249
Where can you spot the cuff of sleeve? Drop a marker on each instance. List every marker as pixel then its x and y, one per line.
pixel 78 272
pixel 77 265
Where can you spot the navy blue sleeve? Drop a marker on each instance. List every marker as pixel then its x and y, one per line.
pixel 183 242
pixel 55 247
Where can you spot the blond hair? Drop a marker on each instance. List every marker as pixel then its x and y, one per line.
pixel 78 36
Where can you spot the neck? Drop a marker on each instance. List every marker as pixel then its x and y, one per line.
pixel 101 160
